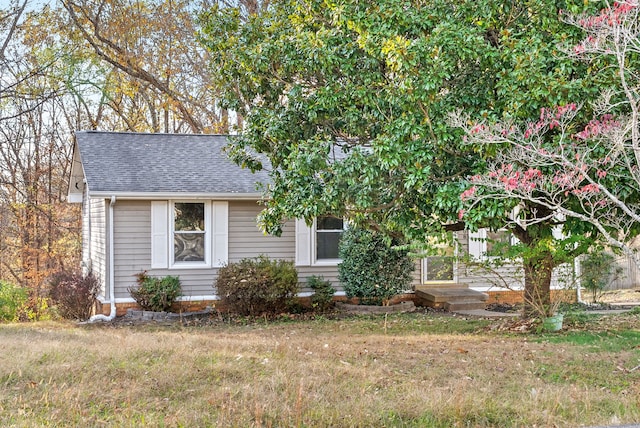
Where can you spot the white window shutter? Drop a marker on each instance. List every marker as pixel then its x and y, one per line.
pixel 220 233
pixel 476 244
pixel 159 234
pixel 303 243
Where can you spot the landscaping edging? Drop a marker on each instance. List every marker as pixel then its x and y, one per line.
pixel 139 315
pixel 407 306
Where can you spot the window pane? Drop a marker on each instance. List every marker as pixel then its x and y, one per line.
pixel 327 245
pixel 329 223
pixel 188 247
pixel 498 242
pixel 189 216
pixel 439 268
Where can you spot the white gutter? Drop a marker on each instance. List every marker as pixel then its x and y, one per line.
pixel 152 196
pixel 112 299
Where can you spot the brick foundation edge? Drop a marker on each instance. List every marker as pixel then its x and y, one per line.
pixel 514 297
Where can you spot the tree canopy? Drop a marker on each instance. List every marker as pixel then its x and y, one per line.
pixel 379 81
pixel 351 102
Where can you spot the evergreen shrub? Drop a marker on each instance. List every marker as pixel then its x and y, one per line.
pixel 156 294
pixel 322 298
pixel 373 269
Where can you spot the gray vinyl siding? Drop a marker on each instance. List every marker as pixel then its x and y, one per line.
pixel 132 248
pixel 132 243
pixel 86 230
pixel 247 240
pixel 417 274
pixel 510 276
pixel 132 240
pixel 481 279
pixel 94 240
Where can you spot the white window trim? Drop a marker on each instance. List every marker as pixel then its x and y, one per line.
pixel 219 233
pixel 314 236
pixel 216 235
pixel 423 266
pixel 306 245
pixel 206 263
pixel 303 243
pixel 478 244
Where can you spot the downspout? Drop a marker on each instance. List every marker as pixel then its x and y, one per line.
pixel 112 297
pixel 88 263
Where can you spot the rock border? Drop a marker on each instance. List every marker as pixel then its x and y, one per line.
pixel 140 315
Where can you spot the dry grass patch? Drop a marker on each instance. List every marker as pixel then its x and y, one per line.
pixel 402 371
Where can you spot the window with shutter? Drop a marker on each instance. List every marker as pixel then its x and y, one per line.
pixel 189 234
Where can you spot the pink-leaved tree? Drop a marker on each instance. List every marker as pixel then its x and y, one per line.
pixel 560 168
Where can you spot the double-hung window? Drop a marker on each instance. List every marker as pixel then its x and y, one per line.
pixel 497 242
pixel 189 234
pixel 328 233
pixel 485 243
pixel 318 244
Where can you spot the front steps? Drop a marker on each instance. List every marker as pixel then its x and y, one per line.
pixel 452 297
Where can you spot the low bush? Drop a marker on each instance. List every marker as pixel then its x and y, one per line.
pixel 156 294
pixel 13 299
pixel 257 286
pixel 322 298
pixel 73 294
pixel 372 269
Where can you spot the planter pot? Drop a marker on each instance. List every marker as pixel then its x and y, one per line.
pixel 553 323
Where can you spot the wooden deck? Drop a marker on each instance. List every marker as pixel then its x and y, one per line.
pixel 452 297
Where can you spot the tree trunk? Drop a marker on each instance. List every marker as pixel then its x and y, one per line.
pixel 537 285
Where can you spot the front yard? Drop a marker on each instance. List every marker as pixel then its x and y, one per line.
pixel 420 369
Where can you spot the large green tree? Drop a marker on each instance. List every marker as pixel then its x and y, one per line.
pixel 350 102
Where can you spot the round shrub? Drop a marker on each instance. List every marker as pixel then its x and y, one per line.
pixel 257 286
pixel 156 294
pixel 372 269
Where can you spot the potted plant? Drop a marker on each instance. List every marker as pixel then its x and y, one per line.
pixel 553 322
pixel 548 312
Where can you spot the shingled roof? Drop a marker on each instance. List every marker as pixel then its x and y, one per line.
pixel 130 164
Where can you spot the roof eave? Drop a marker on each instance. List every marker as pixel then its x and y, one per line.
pixel 155 196
pixel 75 184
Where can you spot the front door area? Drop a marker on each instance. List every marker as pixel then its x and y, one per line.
pixel 441 267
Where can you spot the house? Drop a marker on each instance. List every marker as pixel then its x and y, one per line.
pixel 174 204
